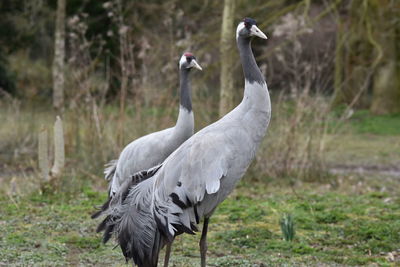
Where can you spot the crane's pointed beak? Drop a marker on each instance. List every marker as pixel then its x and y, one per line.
pixel 255 31
pixel 195 64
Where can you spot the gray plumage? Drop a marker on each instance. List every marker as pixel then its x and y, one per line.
pixel 150 150
pixel 200 174
pixel 109 171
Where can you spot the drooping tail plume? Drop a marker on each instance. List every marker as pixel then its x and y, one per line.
pixel 132 221
pixel 118 198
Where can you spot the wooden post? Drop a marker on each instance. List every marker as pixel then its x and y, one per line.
pixel 59 55
pixel 227 61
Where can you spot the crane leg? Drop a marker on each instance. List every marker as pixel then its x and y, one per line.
pixel 203 243
pixel 167 254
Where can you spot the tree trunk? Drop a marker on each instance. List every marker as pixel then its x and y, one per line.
pixel 386 87
pixel 227 61
pixel 59 55
pixel 386 94
pixel 339 97
pixel 353 56
pixel 367 56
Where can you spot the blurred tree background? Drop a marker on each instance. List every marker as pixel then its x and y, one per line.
pixel 110 68
pixel 348 49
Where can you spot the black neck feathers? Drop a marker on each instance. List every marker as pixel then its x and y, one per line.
pixel 185 90
pixel 251 71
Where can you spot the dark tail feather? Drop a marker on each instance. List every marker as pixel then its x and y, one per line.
pixel 124 191
pixel 102 226
pixel 109 173
pixel 108 233
pixel 107 226
pixel 142 253
pixel 132 221
pixel 138 234
pixel 103 208
pixel 144 175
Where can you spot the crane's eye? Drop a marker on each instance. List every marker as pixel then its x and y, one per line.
pixel 248 23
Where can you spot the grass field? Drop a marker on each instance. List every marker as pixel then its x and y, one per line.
pixel 357 222
pixel 350 219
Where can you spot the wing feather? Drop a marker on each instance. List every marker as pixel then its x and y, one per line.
pixel 192 171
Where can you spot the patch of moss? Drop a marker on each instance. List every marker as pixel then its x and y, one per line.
pixel 83 242
pixel 246 237
pixel 374 236
pixel 331 216
pixel 16 239
pixel 289 247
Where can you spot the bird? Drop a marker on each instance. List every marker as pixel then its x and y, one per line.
pixel 150 150
pixel 172 198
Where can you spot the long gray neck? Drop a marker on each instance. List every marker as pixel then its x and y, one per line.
pixel 256 96
pixel 251 71
pixel 185 123
pixel 185 90
pixel 256 103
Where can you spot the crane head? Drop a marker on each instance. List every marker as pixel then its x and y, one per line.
pixel 248 28
pixel 188 61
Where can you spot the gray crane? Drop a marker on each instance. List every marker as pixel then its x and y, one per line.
pixel 152 149
pixel 170 199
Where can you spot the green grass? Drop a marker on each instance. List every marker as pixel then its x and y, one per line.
pixel 366 140
pixel 333 227
pixel 365 123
